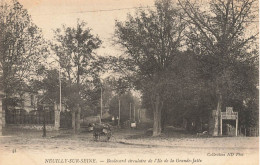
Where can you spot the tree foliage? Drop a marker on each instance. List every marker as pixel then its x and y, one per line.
pixel 187 61
pixel 151 40
pixel 221 38
pixel 75 48
pixel 22 46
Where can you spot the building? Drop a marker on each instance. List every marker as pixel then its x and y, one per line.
pixel 28 109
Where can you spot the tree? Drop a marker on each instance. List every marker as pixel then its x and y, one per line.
pixel 220 37
pixel 49 84
pixel 23 49
pixel 150 39
pixel 75 47
pixel 22 44
pixel 184 89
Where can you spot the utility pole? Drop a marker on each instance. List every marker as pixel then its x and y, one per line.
pixel 119 112
pixel 101 100
pixel 1 108
pixel 60 85
pixel 130 112
pixel 134 113
pixel 57 110
pixel 139 115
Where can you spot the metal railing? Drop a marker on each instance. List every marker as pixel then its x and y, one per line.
pixel 33 117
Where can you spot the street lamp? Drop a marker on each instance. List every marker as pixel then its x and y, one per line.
pixel 44 122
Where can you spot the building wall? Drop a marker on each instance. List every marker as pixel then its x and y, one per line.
pixel 49 127
pixel 30 101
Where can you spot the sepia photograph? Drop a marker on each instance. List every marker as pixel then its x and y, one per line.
pixel 129 82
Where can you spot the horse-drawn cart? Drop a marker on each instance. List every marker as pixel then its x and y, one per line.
pixel 101 130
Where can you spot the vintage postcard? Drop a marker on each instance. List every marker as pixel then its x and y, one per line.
pixel 129 82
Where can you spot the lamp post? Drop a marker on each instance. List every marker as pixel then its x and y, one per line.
pixel 44 122
pixel 101 106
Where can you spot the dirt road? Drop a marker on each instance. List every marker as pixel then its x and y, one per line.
pixel 30 148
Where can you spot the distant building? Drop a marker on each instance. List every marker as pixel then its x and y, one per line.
pixel 142 116
pixel 28 109
pixel 26 101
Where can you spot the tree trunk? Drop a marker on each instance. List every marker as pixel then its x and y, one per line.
pixel 219 107
pixel 184 123
pixel 73 121
pixel 78 119
pixel 157 127
pixel 1 111
pixel 216 131
pixel 163 120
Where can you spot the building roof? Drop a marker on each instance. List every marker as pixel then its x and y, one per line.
pixel 43 100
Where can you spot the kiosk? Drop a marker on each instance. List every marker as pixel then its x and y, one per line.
pixel 228 115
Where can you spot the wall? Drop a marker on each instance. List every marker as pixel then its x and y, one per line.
pixel 49 127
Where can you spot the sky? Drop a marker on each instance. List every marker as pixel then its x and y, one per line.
pixel 100 16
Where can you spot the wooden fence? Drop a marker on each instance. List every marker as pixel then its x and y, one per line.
pixel 250 131
pixel 34 117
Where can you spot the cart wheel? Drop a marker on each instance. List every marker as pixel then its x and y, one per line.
pixel 95 136
pixel 109 136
